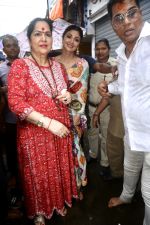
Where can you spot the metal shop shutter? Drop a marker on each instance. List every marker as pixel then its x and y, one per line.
pixel 145 7
pixel 103 28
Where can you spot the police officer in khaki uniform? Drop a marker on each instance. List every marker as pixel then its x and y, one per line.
pixel 97 136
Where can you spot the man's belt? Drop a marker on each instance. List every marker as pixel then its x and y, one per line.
pixel 92 104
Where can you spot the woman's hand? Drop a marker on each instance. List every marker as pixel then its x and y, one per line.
pixel 65 97
pixel 76 120
pixel 58 128
pixel 95 120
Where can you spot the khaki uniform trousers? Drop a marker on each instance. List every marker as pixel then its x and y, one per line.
pixel 115 152
pixel 115 135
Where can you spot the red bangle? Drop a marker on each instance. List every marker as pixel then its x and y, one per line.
pixel 95 114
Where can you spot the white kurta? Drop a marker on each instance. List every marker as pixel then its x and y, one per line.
pixel 133 85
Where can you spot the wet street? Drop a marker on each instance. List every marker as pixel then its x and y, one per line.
pixel 93 209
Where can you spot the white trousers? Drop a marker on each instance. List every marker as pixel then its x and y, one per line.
pixel 134 163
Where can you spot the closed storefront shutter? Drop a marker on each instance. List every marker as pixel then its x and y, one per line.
pixel 103 28
pixel 145 7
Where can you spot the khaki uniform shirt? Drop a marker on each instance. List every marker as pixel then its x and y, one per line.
pixel 116 126
pixel 93 95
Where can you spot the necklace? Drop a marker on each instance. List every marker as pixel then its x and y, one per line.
pixel 54 93
pixel 69 63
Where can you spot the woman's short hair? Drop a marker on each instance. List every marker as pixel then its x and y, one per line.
pixel 33 23
pixel 73 27
pixel 105 41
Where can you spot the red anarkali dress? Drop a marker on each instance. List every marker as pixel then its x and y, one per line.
pixel 45 160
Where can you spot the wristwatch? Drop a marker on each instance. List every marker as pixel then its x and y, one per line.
pixel 40 122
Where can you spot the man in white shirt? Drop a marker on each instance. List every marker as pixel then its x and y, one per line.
pixel 133 85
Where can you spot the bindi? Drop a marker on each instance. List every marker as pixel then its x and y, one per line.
pixel 43 28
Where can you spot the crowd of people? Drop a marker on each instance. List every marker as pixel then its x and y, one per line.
pixel 50 103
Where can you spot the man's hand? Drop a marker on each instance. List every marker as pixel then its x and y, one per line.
pixel 103 89
pixel 114 71
pixel 3 89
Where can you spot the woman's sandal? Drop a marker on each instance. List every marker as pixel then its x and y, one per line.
pixel 81 197
pixel 63 212
pixel 80 194
pixel 39 220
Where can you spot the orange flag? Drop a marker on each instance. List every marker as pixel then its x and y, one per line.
pixel 55 9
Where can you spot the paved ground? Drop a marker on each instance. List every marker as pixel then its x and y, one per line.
pixel 93 209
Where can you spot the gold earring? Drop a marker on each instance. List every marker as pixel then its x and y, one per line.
pixel 77 51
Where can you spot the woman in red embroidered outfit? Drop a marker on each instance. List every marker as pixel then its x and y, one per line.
pixel 35 94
